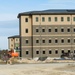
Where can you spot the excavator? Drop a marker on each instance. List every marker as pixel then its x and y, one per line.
pixel 12 53
pixel 9 56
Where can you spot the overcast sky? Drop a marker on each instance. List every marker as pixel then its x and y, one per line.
pixel 9 9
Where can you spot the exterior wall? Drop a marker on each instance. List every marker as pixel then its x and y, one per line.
pixel 73 22
pixel 29 49
pixel 13 43
pixel 47 49
pixel 26 36
pixel 32 35
pixel 65 22
pixel 25 25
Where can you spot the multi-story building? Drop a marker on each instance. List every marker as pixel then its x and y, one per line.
pixel 47 33
pixel 14 42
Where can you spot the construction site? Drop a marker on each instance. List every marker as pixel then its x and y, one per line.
pixel 12 57
pixel 12 64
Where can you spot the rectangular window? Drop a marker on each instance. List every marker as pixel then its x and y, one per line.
pixel 74 29
pixel 73 18
pixel 37 30
pixel 56 52
pixel 74 40
pixel 37 41
pixel 62 51
pixel 11 39
pixel 68 40
pixel 26 19
pixel 50 41
pixel 68 51
pixel 56 41
pixel 26 30
pixel 27 52
pixel 43 30
pixel 74 51
pixel 68 18
pixel 55 19
pixel 43 41
pixel 49 30
pixel 62 19
pixel 36 19
pixel 62 41
pixel 26 41
pixel 68 30
pixel 16 39
pixel 43 19
pixel 62 30
pixel 37 52
pixel 43 52
pixel 50 52
pixel 49 19
pixel 56 30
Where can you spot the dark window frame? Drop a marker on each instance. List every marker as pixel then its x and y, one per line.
pixel 74 40
pixel 62 51
pixel 73 18
pixel 62 40
pixel 43 41
pixel 37 19
pixel 56 51
pixel 49 30
pixel 62 29
pixel 69 51
pixel 74 51
pixel 50 41
pixel 27 52
pixel 43 30
pixel 56 30
pixel 26 19
pixel 56 19
pixel 43 19
pixel 62 19
pixel 50 52
pixel 37 41
pixel 69 40
pixel 37 52
pixel 44 52
pixel 56 40
pixel 26 30
pixel 49 19
pixel 68 30
pixel 37 30
pixel 27 41
pixel 68 18
pixel 74 29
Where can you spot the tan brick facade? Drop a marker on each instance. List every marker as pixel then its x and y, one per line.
pixel 46 33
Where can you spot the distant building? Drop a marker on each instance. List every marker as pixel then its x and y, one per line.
pixel 46 33
pixel 14 42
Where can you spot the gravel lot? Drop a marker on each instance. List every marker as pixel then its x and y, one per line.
pixel 38 69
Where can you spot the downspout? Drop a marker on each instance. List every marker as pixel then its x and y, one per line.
pixel 20 37
pixel 71 33
pixel 32 35
pixel 40 37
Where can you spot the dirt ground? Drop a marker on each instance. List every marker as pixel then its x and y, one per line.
pixel 38 69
